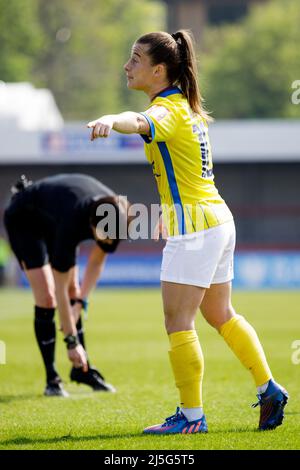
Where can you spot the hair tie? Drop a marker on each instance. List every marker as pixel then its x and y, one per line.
pixel 176 37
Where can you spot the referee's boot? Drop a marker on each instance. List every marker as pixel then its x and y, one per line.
pixel 93 378
pixel 54 388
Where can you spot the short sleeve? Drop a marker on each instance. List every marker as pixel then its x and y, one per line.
pixel 162 119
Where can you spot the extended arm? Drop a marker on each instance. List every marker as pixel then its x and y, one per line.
pixel 125 123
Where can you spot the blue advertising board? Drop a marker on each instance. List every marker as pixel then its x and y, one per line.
pixel 253 270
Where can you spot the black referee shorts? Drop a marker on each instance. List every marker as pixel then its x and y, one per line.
pixel 24 234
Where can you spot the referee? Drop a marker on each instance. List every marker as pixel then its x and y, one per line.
pixel 45 222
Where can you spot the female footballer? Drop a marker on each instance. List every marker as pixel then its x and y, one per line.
pixel 197 264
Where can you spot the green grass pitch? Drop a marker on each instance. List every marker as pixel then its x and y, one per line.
pixel 126 340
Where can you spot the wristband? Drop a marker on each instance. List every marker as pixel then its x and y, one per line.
pixel 71 341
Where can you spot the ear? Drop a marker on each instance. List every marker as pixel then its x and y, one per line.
pixel 160 70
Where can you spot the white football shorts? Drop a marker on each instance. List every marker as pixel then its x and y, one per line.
pixel 200 258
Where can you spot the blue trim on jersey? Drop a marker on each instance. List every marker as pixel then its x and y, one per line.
pixel 169 91
pixel 173 186
pixel 146 138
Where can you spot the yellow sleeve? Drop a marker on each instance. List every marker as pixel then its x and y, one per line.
pixel 163 121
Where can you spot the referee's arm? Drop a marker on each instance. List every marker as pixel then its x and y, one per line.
pixel 93 270
pixel 62 281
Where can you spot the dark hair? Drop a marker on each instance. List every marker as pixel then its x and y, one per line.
pixel 121 217
pixel 177 52
pixel 95 219
pixel 97 202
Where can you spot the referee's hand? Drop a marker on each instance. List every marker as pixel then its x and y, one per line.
pixel 78 357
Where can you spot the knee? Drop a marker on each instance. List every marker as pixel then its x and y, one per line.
pixel 170 324
pixel 47 300
pixel 169 320
pixel 217 318
pixel 178 322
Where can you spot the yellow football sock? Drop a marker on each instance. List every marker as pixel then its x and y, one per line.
pixel 188 366
pixel 243 340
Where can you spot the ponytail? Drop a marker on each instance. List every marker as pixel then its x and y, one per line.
pixel 188 77
pixel 177 52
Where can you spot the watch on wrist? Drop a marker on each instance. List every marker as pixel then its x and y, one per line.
pixel 71 341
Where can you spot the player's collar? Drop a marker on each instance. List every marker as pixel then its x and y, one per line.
pixel 170 90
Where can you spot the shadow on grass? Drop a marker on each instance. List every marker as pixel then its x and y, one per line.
pixel 107 437
pixel 25 396
pixel 39 396
pixel 68 438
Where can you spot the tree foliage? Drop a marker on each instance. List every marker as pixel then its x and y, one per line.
pixel 88 41
pixel 77 49
pixel 20 38
pixel 248 68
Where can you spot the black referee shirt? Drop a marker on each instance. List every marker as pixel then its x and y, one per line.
pixel 56 210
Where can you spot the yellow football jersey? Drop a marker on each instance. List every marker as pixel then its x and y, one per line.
pixel 180 154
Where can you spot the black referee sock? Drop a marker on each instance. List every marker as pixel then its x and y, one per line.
pixel 45 333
